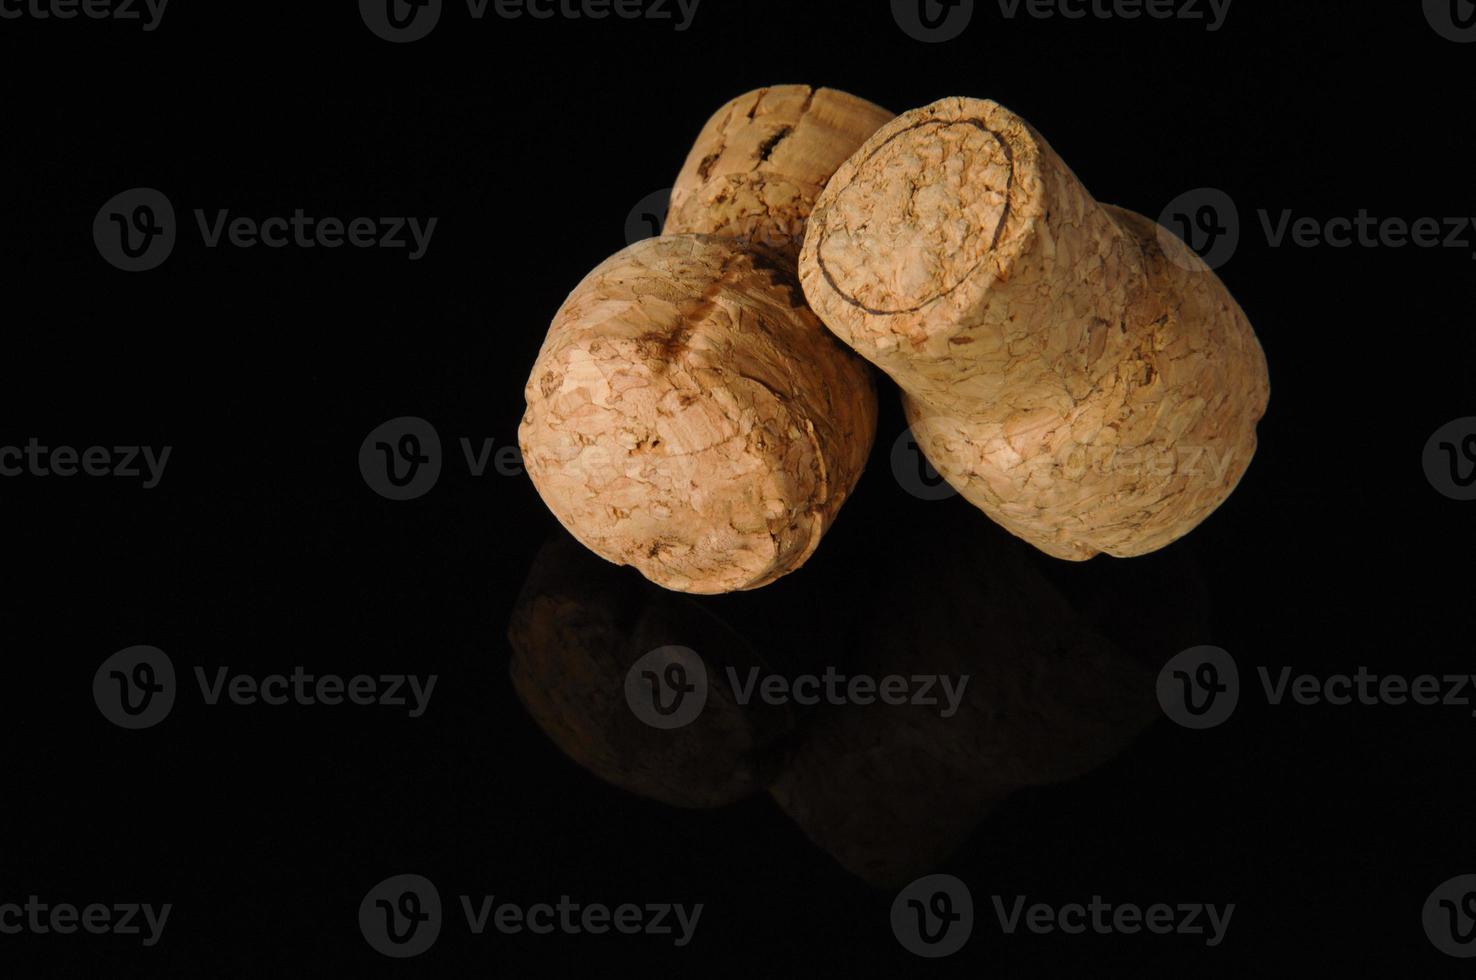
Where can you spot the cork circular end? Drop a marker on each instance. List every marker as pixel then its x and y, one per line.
pixel 685 485
pixel 683 417
pixel 922 211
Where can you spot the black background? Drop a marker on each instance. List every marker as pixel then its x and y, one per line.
pixel 262 548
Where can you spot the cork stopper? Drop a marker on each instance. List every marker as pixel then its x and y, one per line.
pixel 761 161
pixel 690 417
pixel 1085 390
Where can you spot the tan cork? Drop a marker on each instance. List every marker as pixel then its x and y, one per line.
pixel 690 417
pixel 762 160
pixel 1073 370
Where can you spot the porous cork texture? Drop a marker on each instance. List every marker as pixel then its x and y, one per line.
pixel 690 417
pixel 762 160
pixel 1083 379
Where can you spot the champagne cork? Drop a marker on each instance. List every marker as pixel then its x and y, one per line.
pixel 762 160
pixel 690 417
pixel 1070 368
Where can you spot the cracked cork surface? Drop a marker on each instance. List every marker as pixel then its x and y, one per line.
pixel 761 161
pixel 1089 391
pixel 690 417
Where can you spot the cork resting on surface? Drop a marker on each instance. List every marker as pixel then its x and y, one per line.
pixel 689 416
pixel 1084 380
pixel 763 158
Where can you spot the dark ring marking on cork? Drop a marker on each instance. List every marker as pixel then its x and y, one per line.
pixel 1004 217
